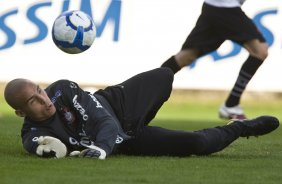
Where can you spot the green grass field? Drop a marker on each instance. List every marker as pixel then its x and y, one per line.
pixel 250 161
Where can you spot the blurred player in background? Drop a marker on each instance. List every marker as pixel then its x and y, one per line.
pixel 63 119
pixel 222 20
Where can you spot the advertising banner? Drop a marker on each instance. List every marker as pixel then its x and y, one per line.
pixel 132 36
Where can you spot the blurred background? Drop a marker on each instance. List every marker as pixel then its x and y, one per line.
pixel 132 36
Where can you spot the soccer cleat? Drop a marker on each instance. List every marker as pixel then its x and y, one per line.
pixel 259 126
pixel 235 112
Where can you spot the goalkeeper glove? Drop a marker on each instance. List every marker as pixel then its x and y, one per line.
pixel 90 152
pixel 50 147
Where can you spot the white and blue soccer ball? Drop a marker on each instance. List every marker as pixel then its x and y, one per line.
pixel 73 32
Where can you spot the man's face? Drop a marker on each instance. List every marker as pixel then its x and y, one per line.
pixel 35 103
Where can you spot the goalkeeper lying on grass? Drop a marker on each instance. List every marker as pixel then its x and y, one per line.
pixel 65 120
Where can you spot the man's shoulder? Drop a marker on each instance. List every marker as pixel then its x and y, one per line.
pixel 58 84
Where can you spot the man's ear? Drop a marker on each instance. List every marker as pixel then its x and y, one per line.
pixel 20 113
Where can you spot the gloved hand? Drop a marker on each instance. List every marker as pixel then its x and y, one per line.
pixel 50 147
pixel 90 152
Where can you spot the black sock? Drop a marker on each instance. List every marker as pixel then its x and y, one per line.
pixel 246 73
pixel 171 63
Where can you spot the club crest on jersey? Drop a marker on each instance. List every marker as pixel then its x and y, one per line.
pixel 69 117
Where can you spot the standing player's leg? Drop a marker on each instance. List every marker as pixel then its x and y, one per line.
pixel 258 53
pixel 204 38
pixel 181 59
pixel 245 33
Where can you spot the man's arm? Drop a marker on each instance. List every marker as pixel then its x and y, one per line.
pixel 106 135
pixel 42 144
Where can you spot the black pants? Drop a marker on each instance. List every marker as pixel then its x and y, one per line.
pixel 217 24
pixel 136 102
pixel 157 141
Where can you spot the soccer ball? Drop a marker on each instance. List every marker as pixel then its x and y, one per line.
pixel 73 32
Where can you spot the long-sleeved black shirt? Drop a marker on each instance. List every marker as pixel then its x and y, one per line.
pixel 81 119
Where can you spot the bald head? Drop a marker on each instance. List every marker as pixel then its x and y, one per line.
pixel 13 92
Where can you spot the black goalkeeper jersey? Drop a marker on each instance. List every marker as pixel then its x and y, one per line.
pixel 81 119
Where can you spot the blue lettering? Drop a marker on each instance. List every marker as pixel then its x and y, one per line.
pixel 42 28
pixel 236 50
pixel 266 32
pixel 112 14
pixel 11 35
pixel 86 7
pixel 66 5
